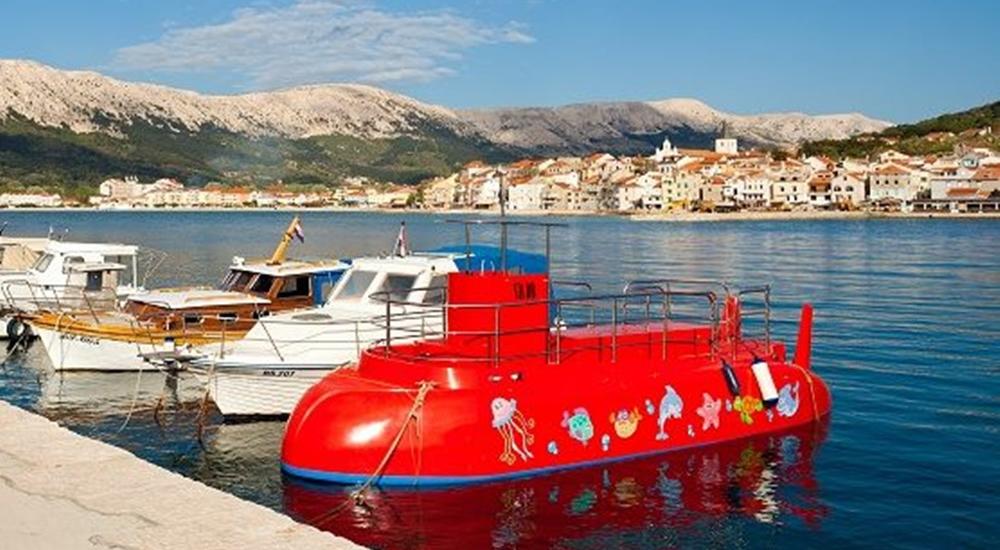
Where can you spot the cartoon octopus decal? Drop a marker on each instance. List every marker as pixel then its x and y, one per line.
pixel 513 427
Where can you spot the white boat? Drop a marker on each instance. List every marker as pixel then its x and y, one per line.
pixel 67 275
pixel 266 372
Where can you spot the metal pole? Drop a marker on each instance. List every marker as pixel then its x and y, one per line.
pixel 767 318
pixel 468 248
pixel 614 331
pixel 503 226
pixel 388 324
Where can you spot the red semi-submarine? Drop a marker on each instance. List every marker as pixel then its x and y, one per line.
pixel 515 383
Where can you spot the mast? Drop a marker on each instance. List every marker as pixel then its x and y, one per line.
pixel 502 196
pixel 279 252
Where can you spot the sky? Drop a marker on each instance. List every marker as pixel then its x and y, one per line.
pixel 895 60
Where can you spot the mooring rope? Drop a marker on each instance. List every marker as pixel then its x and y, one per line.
pixel 135 399
pixel 812 390
pixel 356 496
pixel 418 403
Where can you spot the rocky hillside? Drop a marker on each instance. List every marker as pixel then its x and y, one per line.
pixel 81 126
pixel 634 126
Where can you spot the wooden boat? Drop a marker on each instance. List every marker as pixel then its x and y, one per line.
pixel 163 324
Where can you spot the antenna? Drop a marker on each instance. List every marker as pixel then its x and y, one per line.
pixel 504 223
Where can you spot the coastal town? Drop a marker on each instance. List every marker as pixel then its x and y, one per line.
pixel 671 180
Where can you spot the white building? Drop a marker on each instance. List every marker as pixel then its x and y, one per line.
pixel 526 196
pixel 848 189
pixel 726 146
pixel 666 153
pixel 41 200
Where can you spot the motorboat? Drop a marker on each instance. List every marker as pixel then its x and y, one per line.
pixel 266 372
pixel 66 275
pixel 521 384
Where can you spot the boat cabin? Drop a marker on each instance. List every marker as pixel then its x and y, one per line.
pixel 417 277
pixel 74 275
pixel 247 292
pixel 18 254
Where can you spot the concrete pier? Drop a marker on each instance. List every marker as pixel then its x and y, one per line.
pixel 61 490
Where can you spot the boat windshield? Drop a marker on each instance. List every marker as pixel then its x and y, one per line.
pixel 262 284
pixel 42 263
pixel 398 286
pixel 237 281
pixel 356 282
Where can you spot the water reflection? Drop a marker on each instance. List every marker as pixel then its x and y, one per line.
pixel 77 396
pixel 763 480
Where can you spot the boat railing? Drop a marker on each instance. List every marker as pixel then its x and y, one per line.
pixel 754 302
pixel 755 307
pixel 606 319
pixel 318 330
pixel 23 296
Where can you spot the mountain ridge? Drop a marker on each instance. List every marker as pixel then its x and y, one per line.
pixel 322 132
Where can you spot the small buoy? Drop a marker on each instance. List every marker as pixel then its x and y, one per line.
pixel 731 381
pixel 14 328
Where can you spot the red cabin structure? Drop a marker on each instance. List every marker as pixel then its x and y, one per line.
pixel 520 384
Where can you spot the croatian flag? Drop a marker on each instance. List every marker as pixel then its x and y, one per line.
pixel 402 245
pixel 297 232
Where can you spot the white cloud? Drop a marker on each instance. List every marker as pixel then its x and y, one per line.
pixel 314 41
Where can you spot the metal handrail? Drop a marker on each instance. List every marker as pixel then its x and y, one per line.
pixel 494 335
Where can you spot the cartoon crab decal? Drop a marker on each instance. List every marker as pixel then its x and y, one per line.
pixel 626 422
pixel 579 425
pixel 514 428
pixel 746 405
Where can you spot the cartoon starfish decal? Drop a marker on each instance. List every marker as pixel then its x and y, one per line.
pixel 709 412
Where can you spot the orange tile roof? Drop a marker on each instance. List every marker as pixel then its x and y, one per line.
pixel 891 170
pixel 987 173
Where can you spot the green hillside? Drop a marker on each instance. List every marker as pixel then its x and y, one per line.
pixel 921 138
pixel 55 159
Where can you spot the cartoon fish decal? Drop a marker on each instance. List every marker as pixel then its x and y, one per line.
pixel 788 400
pixel 626 422
pixel 671 406
pixel 579 425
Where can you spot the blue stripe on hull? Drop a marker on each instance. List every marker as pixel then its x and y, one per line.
pixel 342 478
pixel 440 481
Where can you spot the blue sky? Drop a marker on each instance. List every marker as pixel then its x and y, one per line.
pixel 897 60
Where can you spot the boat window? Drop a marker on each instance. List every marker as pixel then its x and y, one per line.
pixel 436 290
pixel 192 319
pixel 237 281
pixel 70 261
pixel 355 284
pixel 228 317
pixel 398 286
pixel 294 287
pixel 95 280
pixel 43 263
pixel 262 285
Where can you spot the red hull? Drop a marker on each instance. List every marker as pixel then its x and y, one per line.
pixel 606 395
pixel 769 478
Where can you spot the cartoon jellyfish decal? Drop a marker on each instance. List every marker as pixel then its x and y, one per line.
pixel 514 428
